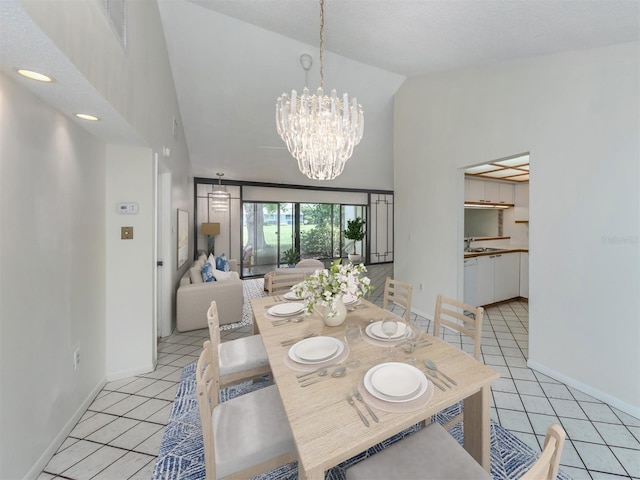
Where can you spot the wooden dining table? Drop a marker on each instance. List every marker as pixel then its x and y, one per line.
pixel 326 428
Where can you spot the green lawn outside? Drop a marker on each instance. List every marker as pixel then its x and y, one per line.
pixel 271 238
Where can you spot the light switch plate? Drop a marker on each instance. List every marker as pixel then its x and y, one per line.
pixel 126 233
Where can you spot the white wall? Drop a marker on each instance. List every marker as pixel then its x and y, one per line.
pixel 130 334
pixel 64 272
pixel 577 113
pixel 137 82
pixel 52 277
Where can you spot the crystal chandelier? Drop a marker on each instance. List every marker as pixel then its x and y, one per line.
pixel 320 131
pixel 219 198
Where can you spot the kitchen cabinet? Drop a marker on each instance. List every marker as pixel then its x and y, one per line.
pixel 486 274
pixel 521 198
pixel 498 278
pixel 479 191
pixel 473 190
pixel 506 193
pixel 506 276
pixel 524 274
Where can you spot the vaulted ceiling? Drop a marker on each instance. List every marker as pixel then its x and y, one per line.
pixel 232 59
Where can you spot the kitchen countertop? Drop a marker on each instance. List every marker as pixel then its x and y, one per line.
pixel 497 251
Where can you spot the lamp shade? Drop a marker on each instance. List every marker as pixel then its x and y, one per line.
pixel 210 229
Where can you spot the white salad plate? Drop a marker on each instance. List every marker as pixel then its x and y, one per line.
pixel 395 382
pixel 286 309
pixel 374 330
pixel 292 296
pixel 316 350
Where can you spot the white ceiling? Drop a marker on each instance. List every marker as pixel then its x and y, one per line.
pixel 231 59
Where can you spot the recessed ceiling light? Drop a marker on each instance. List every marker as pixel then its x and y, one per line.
pixel 86 116
pixel 34 75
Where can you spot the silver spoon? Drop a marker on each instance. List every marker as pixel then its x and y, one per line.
pixel 320 373
pixel 433 366
pixel 338 372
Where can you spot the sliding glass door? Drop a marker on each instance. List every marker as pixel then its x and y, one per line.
pixel 312 230
pixel 268 231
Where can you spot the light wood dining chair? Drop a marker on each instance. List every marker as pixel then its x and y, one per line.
pixel 282 282
pixel 245 436
pixel 450 313
pixel 546 467
pixel 433 454
pixel 462 318
pixel 398 293
pixel 241 359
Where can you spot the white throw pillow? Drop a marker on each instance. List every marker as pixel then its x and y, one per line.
pixel 221 276
pixel 195 274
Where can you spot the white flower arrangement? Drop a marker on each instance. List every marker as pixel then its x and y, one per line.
pixel 325 286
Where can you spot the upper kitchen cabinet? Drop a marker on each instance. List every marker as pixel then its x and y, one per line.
pixel 521 210
pixel 480 191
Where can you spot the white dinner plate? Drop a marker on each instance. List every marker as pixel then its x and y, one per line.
pixel 374 330
pixel 395 382
pixel 349 299
pixel 286 309
pixel 292 296
pixel 316 350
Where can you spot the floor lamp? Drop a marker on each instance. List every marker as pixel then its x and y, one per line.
pixel 210 230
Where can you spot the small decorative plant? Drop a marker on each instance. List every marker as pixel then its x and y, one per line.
pixel 355 231
pixel 290 257
pixel 325 286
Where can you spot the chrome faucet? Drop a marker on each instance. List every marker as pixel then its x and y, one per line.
pixel 467 244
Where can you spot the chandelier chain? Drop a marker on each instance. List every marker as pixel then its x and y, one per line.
pixel 321 44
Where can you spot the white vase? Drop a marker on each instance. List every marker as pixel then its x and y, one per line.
pixel 339 315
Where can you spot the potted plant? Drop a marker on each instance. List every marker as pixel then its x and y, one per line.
pixel 355 232
pixel 290 257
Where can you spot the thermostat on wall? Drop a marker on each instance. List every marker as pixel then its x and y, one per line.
pixel 129 208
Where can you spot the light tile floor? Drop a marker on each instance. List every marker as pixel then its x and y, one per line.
pixel 119 436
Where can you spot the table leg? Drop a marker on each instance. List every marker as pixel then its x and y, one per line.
pixel 477 427
pixel 316 475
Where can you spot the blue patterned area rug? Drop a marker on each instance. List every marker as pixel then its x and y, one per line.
pixel 181 455
pixel 253 288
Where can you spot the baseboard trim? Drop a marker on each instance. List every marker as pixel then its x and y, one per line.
pixel 428 316
pixel 113 376
pixel 632 410
pixel 53 447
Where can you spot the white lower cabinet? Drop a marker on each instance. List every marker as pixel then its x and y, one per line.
pixel 524 274
pixel 507 276
pixel 486 269
pixel 498 277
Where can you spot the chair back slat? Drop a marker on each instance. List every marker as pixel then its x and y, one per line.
pixel 399 293
pixel 282 282
pixel 451 313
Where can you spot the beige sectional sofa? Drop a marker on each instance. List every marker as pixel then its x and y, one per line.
pixel 194 297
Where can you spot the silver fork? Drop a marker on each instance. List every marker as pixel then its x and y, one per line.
pixel 352 402
pixel 357 394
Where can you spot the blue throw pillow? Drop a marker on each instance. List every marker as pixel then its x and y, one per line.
pixel 222 264
pixel 207 273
